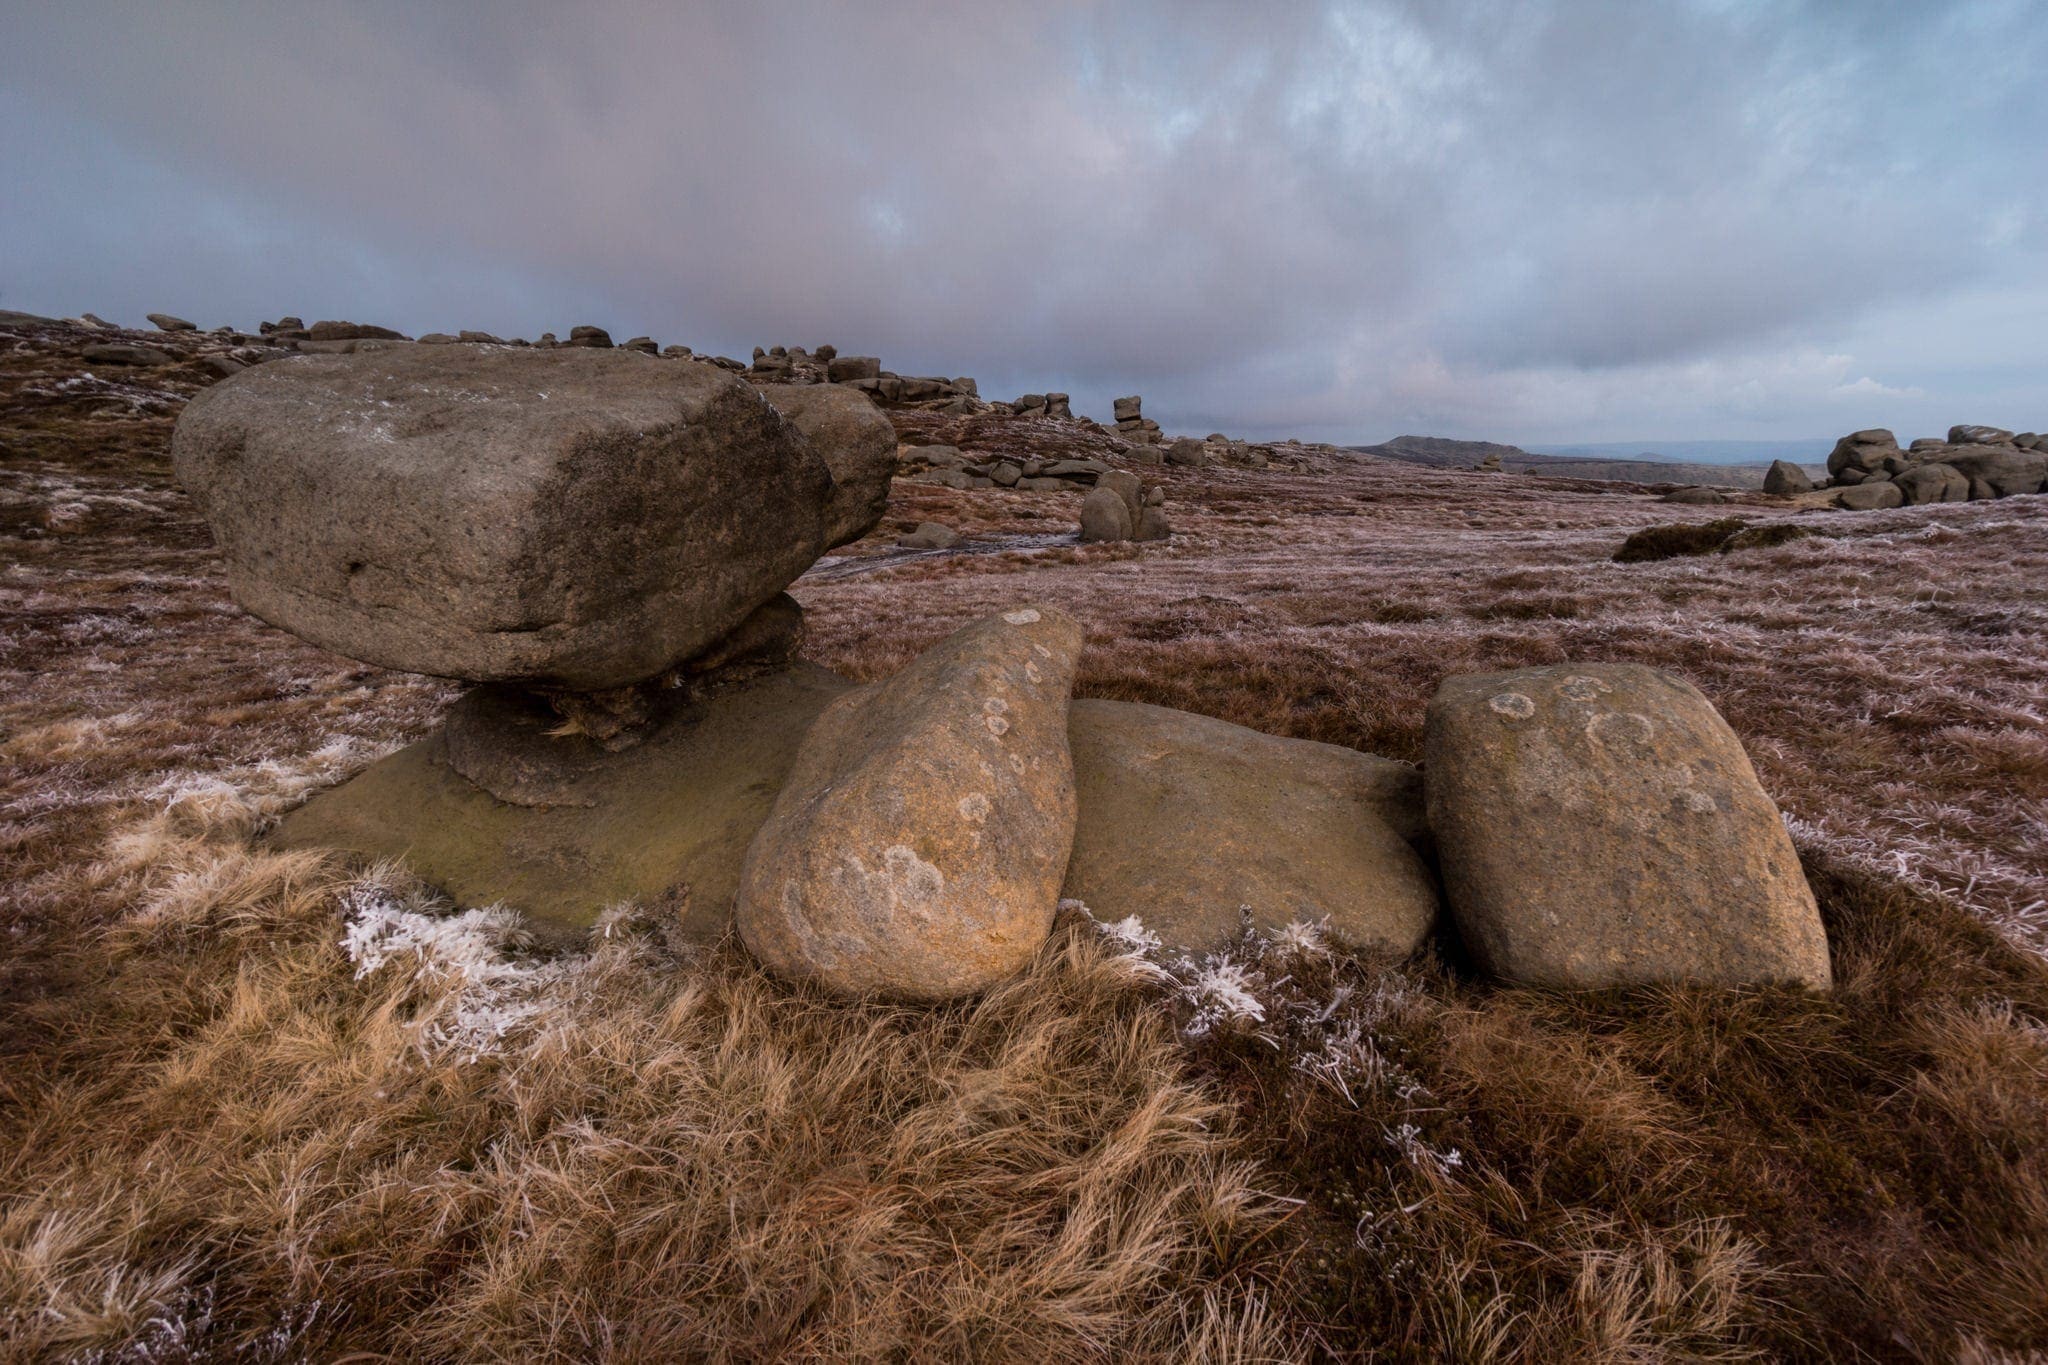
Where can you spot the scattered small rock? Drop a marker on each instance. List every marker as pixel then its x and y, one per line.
pixel 929 535
pixel 1699 496
pixel 1673 540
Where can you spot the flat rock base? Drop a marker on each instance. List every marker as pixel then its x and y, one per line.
pixel 664 823
pixel 1188 821
pixel 1182 818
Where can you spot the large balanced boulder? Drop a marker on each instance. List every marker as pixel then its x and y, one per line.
pixel 580 518
pixel 1599 825
pixel 918 848
pixel 857 444
pixel 1187 822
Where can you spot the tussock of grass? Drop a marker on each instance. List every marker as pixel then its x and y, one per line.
pixel 1497 1173
pixel 1678 538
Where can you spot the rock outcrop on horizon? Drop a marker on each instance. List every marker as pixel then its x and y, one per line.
pixel 1973 463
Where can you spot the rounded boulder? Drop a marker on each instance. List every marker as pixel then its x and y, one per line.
pixel 917 849
pixel 1600 825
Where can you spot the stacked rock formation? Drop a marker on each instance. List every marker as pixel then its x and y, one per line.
pixel 1132 423
pixel 1056 405
pixel 1870 471
pixel 599 543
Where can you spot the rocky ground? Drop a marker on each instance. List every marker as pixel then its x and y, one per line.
pixel 1439 1168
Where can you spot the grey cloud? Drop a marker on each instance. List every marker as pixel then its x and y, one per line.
pixel 1275 219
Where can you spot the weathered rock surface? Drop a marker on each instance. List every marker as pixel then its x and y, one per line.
pixel 665 823
pixel 1785 478
pixel 857 444
pixel 1105 516
pixel 1696 497
pixel 165 322
pixel 1861 454
pixel 2006 470
pixel 1184 819
pixel 1871 496
pixel 1969 434
pixel 1933 482
pixel 352 331
pixel 918 848
pixel 1600 825
pixel 120 353
pixel 574 517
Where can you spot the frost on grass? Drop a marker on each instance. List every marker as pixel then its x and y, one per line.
pixel 263 791
pixel 481 990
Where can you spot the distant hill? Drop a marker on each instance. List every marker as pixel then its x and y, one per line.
pixel 1442 452
pixel 1802 452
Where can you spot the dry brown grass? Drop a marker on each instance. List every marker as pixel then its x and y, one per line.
pixel 216 1141
pixel 238 1135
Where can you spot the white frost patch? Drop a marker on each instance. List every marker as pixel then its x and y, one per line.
pixel 1407 1139
pixel 1298 942
pixel 258 793
pixel 489 993
pixel 1128 933
pixel 1221 992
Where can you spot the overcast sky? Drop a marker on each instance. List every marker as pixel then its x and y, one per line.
pixel 1524 221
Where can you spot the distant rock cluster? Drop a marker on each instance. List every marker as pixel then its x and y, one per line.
pixel 1870 471
pixel 1118 506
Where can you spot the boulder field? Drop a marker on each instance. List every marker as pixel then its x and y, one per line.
pixel 599 543
pixel 1868 471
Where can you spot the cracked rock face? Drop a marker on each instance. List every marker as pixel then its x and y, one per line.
pixel 576 518
pixel 918 847
pixel 1600 825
